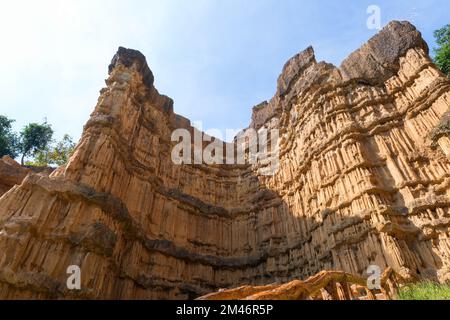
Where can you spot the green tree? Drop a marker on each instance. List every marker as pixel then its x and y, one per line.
pixel 57 154
pixel 9 142
pixel 35 138
pixel 442 53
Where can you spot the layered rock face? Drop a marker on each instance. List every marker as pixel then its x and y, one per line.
pixel 363 179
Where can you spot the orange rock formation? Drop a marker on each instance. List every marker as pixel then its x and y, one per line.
pixel 363 179
pixel 326 285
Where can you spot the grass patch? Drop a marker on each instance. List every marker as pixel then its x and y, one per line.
pixel 425 291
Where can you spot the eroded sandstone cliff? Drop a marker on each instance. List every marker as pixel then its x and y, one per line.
pixel 363 179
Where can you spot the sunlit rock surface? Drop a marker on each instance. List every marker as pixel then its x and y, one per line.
pixel 363 180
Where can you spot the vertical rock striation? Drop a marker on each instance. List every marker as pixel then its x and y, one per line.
pixel 363 179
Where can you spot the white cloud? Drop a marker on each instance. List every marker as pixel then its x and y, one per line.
pixel 215 58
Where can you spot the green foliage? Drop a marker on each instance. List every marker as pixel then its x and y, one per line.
pixel 442 53
pixel 57 154
pixel 425 291
pixel 9 142
pixel 35 138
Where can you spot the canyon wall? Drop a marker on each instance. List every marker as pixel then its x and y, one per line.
pixel 363 179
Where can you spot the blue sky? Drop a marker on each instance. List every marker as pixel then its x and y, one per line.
pixel 216 59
